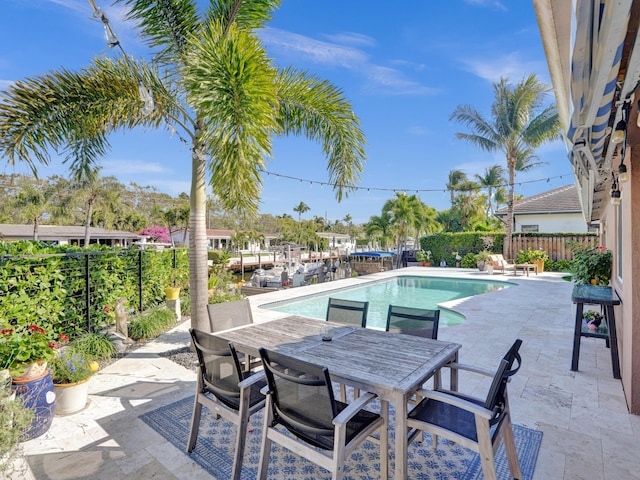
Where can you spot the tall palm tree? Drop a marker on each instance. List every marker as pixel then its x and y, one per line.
pixel 518 123
pixel 300 209
pixel 493 177
pixel 33 202
pixel 211 82
pixel 380 227
pixel 404 211
pixel 456 177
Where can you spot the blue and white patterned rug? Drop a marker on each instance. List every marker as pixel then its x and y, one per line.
pixel 216 443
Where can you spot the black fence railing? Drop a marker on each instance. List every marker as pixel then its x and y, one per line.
pixel 77 291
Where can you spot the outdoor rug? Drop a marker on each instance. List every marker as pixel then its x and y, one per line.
pixel 216 443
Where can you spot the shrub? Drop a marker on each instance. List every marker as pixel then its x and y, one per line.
pixel 70 366
pixel 469 261
pixel 152 323
pixel 95 346
pixel 531 254
pixel 185 304
pixel 591 265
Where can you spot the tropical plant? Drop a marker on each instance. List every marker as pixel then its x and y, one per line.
pixel 518 123
pixel 591 265
pixel 300 209
pixel 423 255
pixel 211 82
pixel 404 212
pixel 151 323
pixel 493 177
pixel 456 177
pixel 95 346
pixel 70 366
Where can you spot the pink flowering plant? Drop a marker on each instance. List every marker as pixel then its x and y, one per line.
pixel 22 346
pixel 591 265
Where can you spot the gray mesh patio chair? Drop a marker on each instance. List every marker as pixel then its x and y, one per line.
pixel 413 321
pixel 474 423
pixel 347 311
pixel 225 389
pixel 325 431
pixel 226 315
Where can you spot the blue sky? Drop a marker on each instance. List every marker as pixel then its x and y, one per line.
pixel 403 66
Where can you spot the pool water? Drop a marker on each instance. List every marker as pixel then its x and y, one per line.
pixel 407 291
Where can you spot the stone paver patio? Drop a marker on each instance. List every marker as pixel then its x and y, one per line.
pixel 588 433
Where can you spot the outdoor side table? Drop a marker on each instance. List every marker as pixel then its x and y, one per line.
pixel 596 295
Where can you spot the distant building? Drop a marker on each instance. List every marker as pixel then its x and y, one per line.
pixel 68 235
pixel 221 239
pixel 341 241
pixel 556 210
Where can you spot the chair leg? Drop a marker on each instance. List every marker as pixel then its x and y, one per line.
pixel 241 435
pixel 510 448
pixel 195 424
pixel 339 441
pixel 485 449
pixel 266 441
pixel 384 440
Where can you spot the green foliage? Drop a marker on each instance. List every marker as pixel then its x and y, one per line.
pixel 221 296
pixel 469 261
pixel 531 254
pixel 22 346
pixel 218 257
pixel 483 255
pixel 559 266
pixel 151 323
pixel 185 304
pixel 591 265
pixel 14 414
pixel 442 245
pixel 423 255
pixel 69 366
pixel 95 346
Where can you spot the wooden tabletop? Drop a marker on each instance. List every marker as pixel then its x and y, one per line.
pixel 373 360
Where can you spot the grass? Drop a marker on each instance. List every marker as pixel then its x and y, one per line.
pixel 95 346
pixel 151 323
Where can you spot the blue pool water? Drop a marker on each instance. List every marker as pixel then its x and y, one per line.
pixel 408 291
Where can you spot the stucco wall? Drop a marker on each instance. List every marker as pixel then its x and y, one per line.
pixel 550 223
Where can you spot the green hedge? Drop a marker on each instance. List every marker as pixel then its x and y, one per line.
pixel 444 245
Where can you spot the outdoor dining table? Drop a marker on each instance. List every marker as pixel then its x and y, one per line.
pixel 391 365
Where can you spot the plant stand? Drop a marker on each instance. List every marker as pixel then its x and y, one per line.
pixel 37 395
pixel 71 397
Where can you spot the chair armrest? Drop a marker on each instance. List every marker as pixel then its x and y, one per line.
pixel 354 407
pixel 456 402
pixel 469 368
pixel 247 382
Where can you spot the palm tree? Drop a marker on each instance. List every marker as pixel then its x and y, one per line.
pixel 518 123
pixel 404 211
pixel 456 177
pixel 300 209
pixel 493 177
pixel 380 227
pixel 33 202
pixel 211 82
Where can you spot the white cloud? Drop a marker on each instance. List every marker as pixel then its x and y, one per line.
pixel 118 168
pixel 497 4
pixel 378 78
pixel 172 187
pixel 511 66
pixel 351 38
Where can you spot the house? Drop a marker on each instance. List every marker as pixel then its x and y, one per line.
pixel 556 210
pixel 594 67
pixel 222 239
pixel 341 241
pixel 68 235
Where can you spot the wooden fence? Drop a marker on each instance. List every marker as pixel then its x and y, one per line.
pixel 558 248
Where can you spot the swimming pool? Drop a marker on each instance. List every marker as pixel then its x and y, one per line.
pixel 408 291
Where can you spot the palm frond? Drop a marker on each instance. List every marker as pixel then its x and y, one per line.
pixel 318 109
pixel 248 14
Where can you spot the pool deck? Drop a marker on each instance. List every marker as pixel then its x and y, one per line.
pixel 588 432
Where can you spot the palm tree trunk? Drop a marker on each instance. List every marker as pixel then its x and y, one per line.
pixel 198 238
pixel 87 222
pixel 36 224
pixel 510 208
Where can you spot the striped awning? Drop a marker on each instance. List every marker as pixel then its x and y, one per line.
pixel 599 32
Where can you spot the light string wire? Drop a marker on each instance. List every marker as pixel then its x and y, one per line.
pixel 416 190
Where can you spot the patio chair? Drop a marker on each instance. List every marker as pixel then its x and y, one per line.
pixel 419 322
pixel 226 315
pixel 347 311
pixel 500 264
pixel 474 423
pixel 225 389
pixel 325 431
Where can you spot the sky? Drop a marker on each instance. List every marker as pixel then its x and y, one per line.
pixel 403 66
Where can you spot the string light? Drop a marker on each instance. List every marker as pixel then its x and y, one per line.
pixel 396 190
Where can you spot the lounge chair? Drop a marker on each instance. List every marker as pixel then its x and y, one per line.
pixel 500 264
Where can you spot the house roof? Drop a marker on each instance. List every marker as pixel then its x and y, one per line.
pixel 55 232
pixel 559 200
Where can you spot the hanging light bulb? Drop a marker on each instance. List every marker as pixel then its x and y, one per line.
pixel 615 197
pixel 623 175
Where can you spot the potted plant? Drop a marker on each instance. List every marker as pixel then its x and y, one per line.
pixel 71 372
pixel 178 279
pixel 537 257
pixel 482 258
pixel 424 257
pixel 25 351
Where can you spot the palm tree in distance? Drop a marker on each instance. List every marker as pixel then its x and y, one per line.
pixel 493 177
pixel 210 82
pixel 518 123
pixel 456 177
pixel 300 209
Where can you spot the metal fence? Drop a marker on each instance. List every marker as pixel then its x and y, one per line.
pixel 77 291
